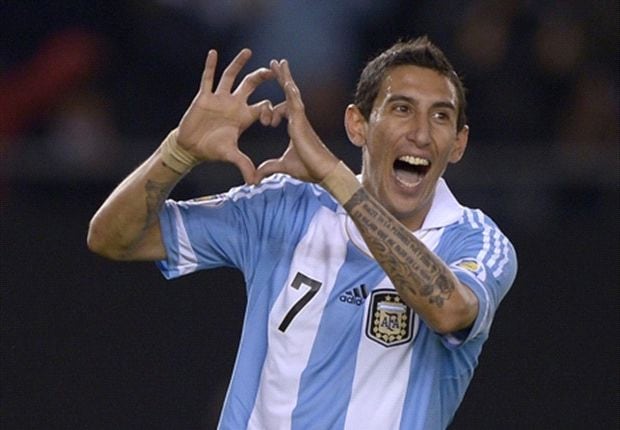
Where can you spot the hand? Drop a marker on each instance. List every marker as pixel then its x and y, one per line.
pixel 211 126
pixel 306 157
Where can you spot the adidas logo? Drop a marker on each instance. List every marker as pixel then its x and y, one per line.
pixel 355 296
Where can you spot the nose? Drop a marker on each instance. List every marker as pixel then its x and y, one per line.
pixel 419 131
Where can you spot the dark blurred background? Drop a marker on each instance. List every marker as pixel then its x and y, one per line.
pixel 88 89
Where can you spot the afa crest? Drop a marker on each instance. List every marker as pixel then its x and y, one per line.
pixel 390 321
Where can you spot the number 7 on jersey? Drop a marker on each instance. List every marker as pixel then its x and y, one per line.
pixel 300 279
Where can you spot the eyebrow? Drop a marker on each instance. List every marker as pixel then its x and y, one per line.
pixel 437 104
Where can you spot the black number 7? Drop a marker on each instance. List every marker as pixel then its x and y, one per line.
pixel 314 285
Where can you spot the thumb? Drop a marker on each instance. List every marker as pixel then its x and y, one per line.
pixel 269 167
pixel 245 166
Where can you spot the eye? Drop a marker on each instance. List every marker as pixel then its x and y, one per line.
pixel 442 116
pixel 401 108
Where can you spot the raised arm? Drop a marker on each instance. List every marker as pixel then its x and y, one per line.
pixel 422 280
pixel 126 226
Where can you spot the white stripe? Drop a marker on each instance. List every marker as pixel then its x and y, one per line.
pixel 187 261
pixel 486 240
pixel 504 261
pixel 272 183
pixel 497 248
pixel 470 218
pixel 319 255
pixel 380 381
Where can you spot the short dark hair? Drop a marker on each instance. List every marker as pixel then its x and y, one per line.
pixel 419 52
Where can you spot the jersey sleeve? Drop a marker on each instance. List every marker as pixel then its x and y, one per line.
pixel 201 234
pixel 234 229
pixel 485 261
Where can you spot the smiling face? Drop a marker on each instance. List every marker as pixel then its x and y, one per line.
pixel 408 140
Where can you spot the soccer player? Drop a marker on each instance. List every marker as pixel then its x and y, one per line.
pixel 369 297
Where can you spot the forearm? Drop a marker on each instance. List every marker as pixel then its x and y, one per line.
pixel 422 280
pixel 126 226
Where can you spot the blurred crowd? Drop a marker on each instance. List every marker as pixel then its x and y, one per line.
pixel 84 83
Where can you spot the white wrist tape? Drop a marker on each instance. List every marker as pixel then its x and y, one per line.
pixel 341 183
pixel 176 158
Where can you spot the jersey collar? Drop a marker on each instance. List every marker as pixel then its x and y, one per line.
pixel 445 209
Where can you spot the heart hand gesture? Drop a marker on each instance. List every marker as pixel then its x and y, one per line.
pixel 211 126
pixel 306 157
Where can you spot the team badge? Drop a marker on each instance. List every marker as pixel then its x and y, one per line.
pixel 390 321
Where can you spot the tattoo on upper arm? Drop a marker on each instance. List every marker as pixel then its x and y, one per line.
pixel 156 193
pixel 405 259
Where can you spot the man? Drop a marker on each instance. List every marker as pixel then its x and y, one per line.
pixel 367 302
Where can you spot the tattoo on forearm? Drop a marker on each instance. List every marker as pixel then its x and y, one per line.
pixel 405 259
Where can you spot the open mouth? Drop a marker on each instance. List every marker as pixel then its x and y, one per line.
pixel 410 170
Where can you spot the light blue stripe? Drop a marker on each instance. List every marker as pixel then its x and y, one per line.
pixel 325 386
pixel 168 267
pixel 253 345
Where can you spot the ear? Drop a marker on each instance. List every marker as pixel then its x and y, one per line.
pixel 355 124
pixel 460 145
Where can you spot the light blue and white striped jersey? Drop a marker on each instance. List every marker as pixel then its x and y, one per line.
pixel 326 342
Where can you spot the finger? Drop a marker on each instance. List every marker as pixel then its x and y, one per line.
pixel 279 112
pixel 206 83
pixel 245 166
pixel 263 110
pixel 291 90
pixel 278 70
pixel 230 73
pixel 269 167
pixel 253 80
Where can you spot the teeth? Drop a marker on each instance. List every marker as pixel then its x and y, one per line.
pixel 414 161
